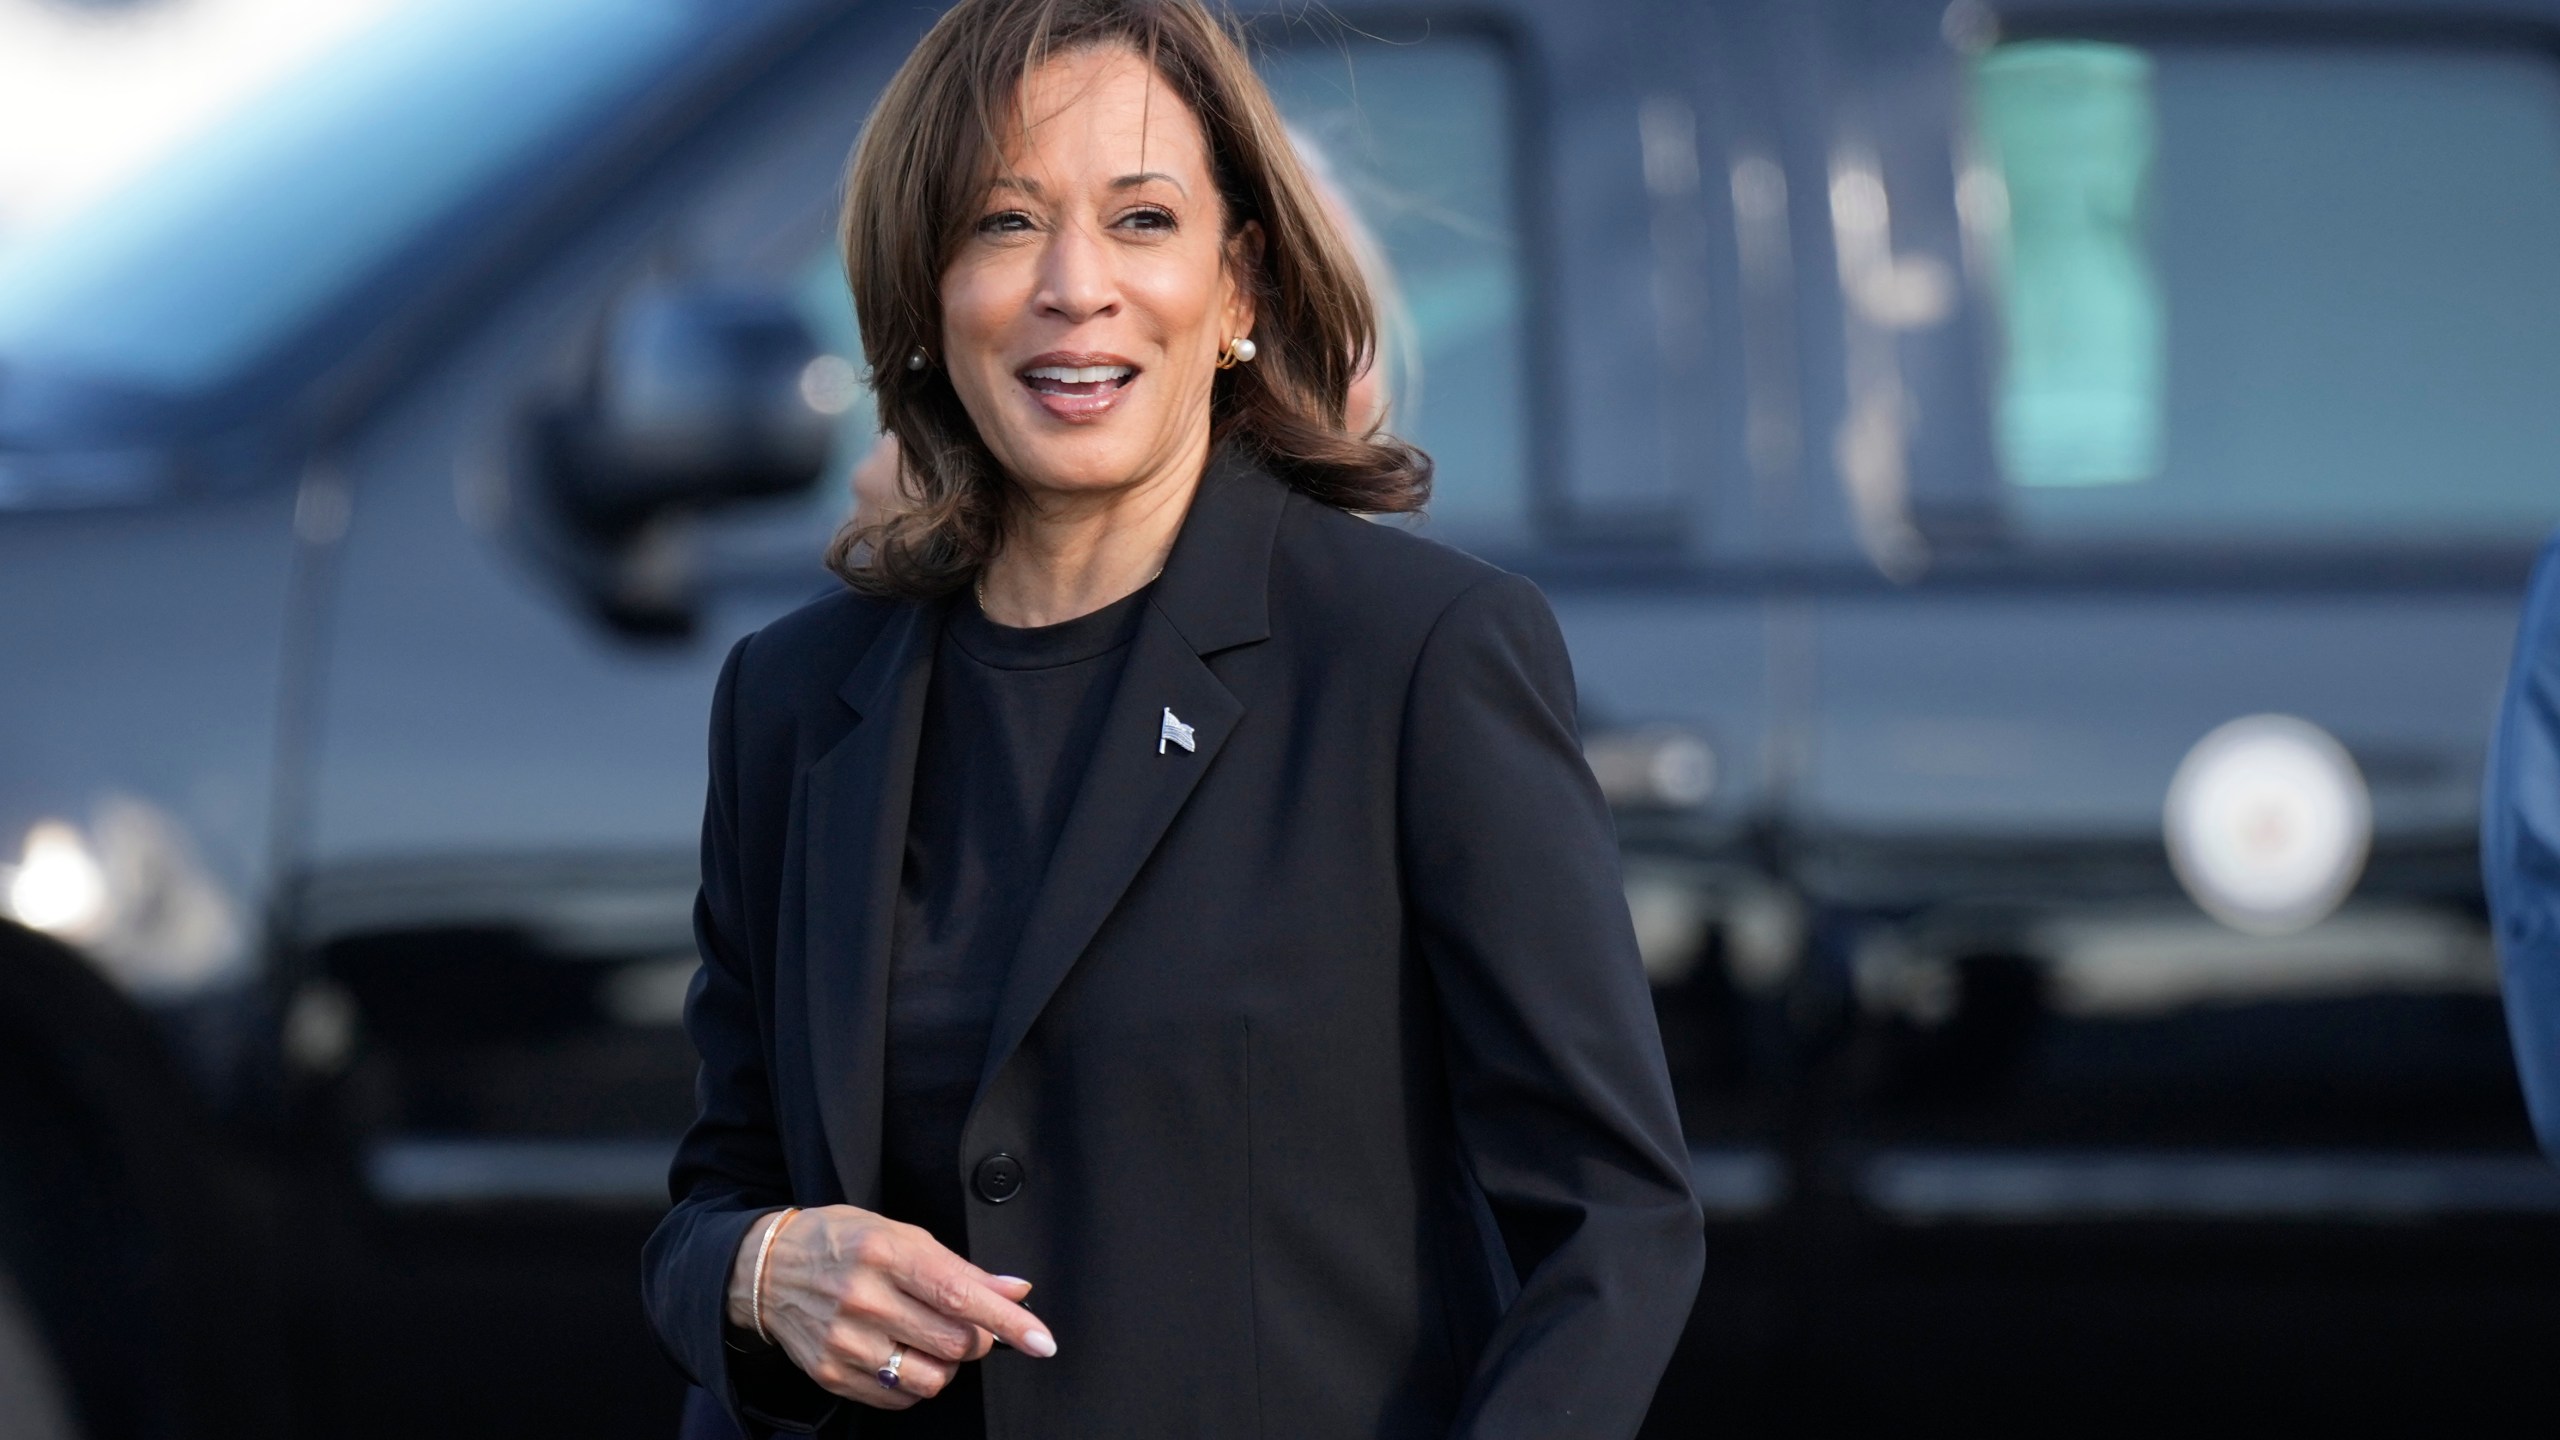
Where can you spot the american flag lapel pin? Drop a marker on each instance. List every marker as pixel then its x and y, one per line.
pixel 1173 731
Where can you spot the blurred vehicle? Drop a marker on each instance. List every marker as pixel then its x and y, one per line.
pixel 2037 497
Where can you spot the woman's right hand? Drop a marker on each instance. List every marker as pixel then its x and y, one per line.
pixel 844 1287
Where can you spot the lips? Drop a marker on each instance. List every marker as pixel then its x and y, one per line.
pixel 1077 387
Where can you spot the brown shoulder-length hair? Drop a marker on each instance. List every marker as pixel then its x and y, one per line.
pixel 915 183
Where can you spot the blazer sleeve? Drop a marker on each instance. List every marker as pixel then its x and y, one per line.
pixel 1563 1104
pixel 729 1169
pixel 2520 848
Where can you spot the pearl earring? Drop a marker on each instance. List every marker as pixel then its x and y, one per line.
pixel 915 358
pixel 1235 352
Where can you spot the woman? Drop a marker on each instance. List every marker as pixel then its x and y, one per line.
pixel 877 489
pixel 1153 922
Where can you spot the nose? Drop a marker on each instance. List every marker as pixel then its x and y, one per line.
pixel 1076 279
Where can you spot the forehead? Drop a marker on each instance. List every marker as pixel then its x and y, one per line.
pixel 1107 107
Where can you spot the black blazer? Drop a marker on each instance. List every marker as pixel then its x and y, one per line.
pixel 1326 1073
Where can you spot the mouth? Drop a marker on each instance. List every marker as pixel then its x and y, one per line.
pixel 1077 387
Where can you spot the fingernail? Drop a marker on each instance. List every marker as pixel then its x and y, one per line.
pixel 1011 1280
pixel 1039 1343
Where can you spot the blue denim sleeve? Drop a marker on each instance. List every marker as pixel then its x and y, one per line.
pixel 2520 847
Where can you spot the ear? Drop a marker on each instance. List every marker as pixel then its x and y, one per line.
pixel 1244 269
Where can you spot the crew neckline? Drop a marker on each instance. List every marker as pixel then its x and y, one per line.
pixel 1042 647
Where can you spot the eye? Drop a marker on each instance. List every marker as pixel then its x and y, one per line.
pixel 1004 222
pixel 1150 217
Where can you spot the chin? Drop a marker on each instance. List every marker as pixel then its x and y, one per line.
pixel 1077 463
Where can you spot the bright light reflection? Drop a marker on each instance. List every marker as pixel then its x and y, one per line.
pixel 59 887
pixel 2268 823
pixel 830 385
pixel 99 97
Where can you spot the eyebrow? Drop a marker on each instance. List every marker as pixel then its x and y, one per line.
pixel 1031 187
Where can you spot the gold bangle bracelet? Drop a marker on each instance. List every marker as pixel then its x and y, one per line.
pixel 755 1286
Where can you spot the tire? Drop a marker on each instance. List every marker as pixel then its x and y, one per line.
pixel 33 1403
pixel 133 1240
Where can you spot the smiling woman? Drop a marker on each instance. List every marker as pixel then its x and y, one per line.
pixel 1146 885
pixel 1142 169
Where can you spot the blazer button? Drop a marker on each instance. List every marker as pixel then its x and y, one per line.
pixel 998 1178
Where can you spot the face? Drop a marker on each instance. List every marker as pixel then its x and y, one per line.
pixel 1083 316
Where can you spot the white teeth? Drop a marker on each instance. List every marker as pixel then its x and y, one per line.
pixel 1079 374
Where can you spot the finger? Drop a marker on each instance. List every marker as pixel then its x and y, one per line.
pixel 962 1291
pixel 982 1343
pixel 862 1364
pixel 920 1375
pixel 895 1368
pixel 854 1380
pixel 872 1294
pixel 909 1322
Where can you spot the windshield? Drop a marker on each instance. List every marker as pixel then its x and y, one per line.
pixel 2268 292
pixel 210 262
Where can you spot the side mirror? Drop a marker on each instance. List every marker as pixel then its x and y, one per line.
pixel 699 396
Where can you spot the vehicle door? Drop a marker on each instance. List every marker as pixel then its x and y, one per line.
pixel 2188 371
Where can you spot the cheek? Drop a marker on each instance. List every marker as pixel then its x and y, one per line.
pixel 977 304
pixel 1188 312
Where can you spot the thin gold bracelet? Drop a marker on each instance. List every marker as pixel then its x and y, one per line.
pixel 755 1287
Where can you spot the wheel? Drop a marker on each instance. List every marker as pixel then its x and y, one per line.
pixel 133 1243
pixel 33 1403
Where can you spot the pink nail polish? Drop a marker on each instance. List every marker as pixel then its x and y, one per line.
pixel 1037 1342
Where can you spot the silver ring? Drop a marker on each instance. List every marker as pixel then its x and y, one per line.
pixel 887 1374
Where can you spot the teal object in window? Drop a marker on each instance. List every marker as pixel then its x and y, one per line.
pixel 2072 126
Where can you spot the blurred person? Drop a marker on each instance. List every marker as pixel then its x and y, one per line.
pixel 876 489
pixel 2520 847
pixel 1146 887
pixel 875 479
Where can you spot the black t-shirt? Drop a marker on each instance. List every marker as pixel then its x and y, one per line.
pixel 1009 722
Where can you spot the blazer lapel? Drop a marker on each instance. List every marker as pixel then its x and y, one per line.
pixel 1128 797
pixel 856 799
pixel 1213 596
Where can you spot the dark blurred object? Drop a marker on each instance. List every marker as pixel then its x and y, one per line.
pixel 2131 1332
pixel 150 1257
pixel 699 398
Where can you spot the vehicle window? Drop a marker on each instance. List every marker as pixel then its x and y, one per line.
pixel 1417 140
pixel 2273 292
pixel 206 264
